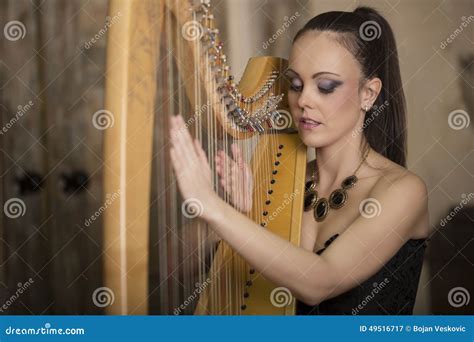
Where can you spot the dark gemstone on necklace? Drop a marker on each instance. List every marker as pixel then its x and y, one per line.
pixel 309 186
pixel 310 200
pixel 337 199
pixel 321 209
pixel 349 182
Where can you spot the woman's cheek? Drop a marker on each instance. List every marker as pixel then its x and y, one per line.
pixel 345 108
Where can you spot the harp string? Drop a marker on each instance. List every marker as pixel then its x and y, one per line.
pixel 189 245
pixel 172 248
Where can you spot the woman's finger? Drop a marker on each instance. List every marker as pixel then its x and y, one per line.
pixel 186 161
pixel 227 163
pixel 220 169
pixel 202 155
pixel 237 154
pixel 183 143
pixel 176 163
pixel 182 139
pixel 186 136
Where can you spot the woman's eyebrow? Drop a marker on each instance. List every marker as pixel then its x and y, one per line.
pixel 314 75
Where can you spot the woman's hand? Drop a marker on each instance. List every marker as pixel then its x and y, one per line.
pixel 236 178
pixel 192 171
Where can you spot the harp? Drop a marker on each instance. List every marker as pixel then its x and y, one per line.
pixel 165 57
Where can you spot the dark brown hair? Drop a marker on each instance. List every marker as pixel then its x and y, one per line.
pixel 370 39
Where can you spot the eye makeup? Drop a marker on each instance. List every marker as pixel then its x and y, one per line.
pixel 328 86
pixel 296 84
pixel 324 85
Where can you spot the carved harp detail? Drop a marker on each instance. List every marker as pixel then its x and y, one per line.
pixel 165 57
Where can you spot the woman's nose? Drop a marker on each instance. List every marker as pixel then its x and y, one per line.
pixel 304 100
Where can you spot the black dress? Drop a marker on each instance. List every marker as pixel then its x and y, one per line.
pixel 391 291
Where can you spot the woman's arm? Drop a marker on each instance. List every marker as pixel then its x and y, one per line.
pixel 357 254
pixel 353 257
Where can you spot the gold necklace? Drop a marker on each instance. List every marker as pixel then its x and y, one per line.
pixel 337 199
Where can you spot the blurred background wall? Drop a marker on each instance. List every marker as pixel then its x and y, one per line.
pixel 52 83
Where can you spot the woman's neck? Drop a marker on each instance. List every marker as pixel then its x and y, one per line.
pixel 337 161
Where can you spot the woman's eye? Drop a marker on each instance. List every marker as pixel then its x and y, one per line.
pixel 296 85
pixel 326 90
pixel 327 87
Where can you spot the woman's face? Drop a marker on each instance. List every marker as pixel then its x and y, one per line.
pixel 324 89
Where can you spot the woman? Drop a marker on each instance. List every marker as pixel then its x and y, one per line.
pixel 347 98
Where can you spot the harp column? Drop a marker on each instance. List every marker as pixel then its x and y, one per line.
pixel 132 50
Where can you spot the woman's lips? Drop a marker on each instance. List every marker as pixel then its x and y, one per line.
pixel 306 123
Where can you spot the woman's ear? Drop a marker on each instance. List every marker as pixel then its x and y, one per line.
pixel 370 91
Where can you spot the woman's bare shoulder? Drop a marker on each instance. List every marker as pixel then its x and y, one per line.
pixel 401 184
pixel 395 175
